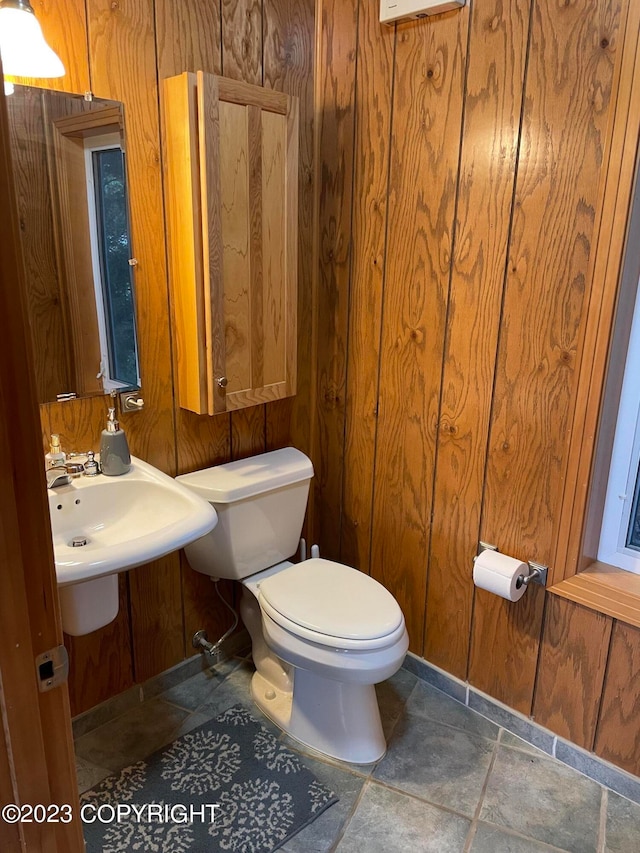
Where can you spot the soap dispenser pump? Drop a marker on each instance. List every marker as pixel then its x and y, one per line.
pixel 115 458
pixel 55 457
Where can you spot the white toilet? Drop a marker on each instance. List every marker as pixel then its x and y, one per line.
pixel 322 634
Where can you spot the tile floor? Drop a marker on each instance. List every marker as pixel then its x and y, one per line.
pixel 451 781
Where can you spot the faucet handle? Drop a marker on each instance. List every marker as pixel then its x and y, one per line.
pixel 91 467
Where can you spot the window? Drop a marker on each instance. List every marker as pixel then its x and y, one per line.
pixel 620 534
pixel 111 252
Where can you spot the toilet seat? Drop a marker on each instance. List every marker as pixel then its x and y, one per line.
pixel 333 605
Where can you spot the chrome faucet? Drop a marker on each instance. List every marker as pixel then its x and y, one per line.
pixel 57 476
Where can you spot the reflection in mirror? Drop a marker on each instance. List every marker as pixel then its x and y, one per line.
pixel 70 173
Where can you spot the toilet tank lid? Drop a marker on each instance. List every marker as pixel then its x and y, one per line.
pixel 246 478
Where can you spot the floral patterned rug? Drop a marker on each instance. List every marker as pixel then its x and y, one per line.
pixel 228 785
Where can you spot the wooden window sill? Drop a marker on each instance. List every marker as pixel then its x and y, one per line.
pixel 606 589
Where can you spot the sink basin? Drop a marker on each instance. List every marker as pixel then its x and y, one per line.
pixel 103 525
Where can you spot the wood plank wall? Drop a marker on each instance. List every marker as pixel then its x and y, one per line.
pixel 121 50
pixel 460 159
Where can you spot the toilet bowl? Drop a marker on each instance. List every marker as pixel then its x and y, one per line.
pixel 322 634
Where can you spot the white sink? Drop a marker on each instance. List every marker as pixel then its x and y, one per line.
pixel 124 522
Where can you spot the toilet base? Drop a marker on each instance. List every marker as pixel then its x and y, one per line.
pixel 338 719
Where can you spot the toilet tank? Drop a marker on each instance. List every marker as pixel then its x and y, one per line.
pixel 261 502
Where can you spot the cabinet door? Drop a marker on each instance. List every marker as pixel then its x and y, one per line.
pixel 232 187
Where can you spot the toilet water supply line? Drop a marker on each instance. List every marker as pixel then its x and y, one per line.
pixel 199 639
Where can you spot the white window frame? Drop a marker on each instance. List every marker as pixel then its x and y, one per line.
pixel 625 458
pixel 103 142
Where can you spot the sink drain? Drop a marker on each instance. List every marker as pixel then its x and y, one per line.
pixel 79 541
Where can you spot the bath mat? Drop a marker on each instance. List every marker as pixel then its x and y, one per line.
pixel 228 785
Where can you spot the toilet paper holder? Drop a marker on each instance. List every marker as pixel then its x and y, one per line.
pixel 537 572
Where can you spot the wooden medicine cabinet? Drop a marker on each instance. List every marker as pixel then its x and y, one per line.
pixel 231 173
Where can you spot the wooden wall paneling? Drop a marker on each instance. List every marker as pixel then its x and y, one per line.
pixel 248 432
pixel 79 422
pixel 578 521
pixel 64 25
pixel 336 70
pixel 376 48
pixel 203 610
pixel 565 119
pixel 425 144
pixel 188 37
pixel 123 66
pixel 490 137
pixel 203 441
pixel 156 617
pixel 45 295
pixel 242 40
pixel 288 63
pixel 242 60
pixel 101 663
pixel 571 669
pixel 618 734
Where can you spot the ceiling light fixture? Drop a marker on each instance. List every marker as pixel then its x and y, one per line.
pixel 24 50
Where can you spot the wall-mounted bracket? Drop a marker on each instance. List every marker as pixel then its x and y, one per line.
pixel 131 401
pixel 537 574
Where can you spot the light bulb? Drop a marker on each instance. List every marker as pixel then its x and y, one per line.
pixel 24 51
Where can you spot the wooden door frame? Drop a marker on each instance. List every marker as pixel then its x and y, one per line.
pixel 37 763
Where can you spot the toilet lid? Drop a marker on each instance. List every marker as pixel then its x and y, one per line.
pixel 332 600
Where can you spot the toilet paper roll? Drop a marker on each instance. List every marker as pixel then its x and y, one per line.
pixel 499 574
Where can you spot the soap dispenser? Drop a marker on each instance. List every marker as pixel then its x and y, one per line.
pixel 55 457
pixel 115 458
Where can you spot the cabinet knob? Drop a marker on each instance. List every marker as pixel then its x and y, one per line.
pixel 223 382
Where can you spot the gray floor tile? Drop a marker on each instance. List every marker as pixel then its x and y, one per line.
pixel 392 697
pixel 107 711
pixel 322 834
pixel 132 736
pixel 490 839
pixel 439 754
pixel 89 774
pixel 623 825
pixel 303 749
pixel 425 701
pixel 543 799
pixel 236 689
pixel 196 690
pixel 443 765
pixel 388 822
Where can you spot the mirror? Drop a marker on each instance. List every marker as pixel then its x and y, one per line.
pixel 70 174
